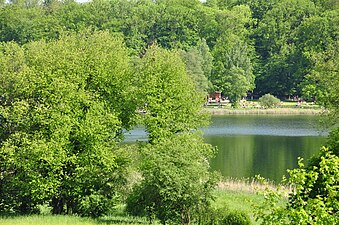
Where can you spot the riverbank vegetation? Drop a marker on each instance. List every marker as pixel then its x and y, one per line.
pixel 253 107
pixel 75 76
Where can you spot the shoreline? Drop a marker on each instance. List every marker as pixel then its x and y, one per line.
pixel 274 111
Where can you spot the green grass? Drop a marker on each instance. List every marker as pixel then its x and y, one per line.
pixel 69 220
pixel 253 107
pixel 240 195
pixel 237 195
pixel 230 199
pixel 46 220
pixel 252 111
pixel 237 201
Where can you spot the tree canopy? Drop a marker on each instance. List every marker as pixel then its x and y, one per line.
pixel 275 40
pixel 74 77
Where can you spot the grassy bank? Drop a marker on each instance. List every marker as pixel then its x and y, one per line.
pixel 230 200
pixel 252 107
pixel 233 195
pixel 240 195
pixel 254 111
pixel 70 220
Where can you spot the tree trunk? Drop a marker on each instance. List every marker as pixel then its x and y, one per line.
pixel 58 205
pixel 185 217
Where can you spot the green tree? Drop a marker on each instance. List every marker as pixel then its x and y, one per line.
pixel 207 58
pixel 175 157
pixel 74 16
pixel 258 7
pixel 27 24
pixel 233 70
pixel 167 94
pixel 194 67
pixel 275 43
pixel 61 115
pixel 320 53
pixel 176 26
pixel 177 184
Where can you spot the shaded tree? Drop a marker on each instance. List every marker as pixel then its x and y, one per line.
pixel 275 43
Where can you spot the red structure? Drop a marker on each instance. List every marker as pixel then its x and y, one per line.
pixel 215 97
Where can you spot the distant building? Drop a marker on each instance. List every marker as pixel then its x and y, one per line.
pixel 215 96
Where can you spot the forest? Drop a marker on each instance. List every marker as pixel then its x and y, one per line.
pixel 75 76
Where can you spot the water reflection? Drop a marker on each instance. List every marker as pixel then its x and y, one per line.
pixel 257 144
pixel 264 125
pixel 269 156
pixel 265 145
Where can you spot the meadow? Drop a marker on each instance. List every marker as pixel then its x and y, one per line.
pixel 232 195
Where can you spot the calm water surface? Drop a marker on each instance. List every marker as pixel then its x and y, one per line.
pixel 262 144
pixel 257 144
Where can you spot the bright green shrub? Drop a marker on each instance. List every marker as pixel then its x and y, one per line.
pixel 316 196
pixel 315 199
pixel 176 183
pixel 268 101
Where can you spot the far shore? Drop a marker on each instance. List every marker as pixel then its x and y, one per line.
pixel 256 111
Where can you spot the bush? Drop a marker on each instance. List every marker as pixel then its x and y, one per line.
pixel 212 215
pixel 236 218
pixel 314 199
pixel 177 183
pixel 268 101
pixel 222 216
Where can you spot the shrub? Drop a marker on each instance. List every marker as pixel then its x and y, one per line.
pixel 268 101
pixel 212 215
pixel 222 216
pixel 177 183
pixel 314 199
pixel 236 218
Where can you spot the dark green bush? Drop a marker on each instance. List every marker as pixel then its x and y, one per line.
pixel 212 215
pixel 222 216
pixel 236 218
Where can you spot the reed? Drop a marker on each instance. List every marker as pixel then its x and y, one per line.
pixel 251 185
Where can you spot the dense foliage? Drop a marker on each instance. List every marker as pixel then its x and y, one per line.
pixel 64 104
pixel 314 199
pixel 275 47
pixel 60 118
pixel 177 184
pixel 74 76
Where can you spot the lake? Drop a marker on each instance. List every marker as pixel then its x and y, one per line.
pixel 262 144
pixel 249 145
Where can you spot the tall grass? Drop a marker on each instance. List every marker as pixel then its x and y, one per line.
pixel 70 220
pixel 46 220
pixel 251 185
pixel 240 195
